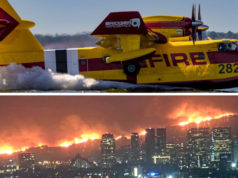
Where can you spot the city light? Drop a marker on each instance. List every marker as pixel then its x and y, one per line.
pixel 135 171
pixel 110 154
pixel 153 174
pixel 233 165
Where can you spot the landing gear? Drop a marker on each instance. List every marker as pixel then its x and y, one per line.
pixel 132 69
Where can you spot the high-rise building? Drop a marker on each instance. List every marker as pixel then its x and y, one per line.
pixel 198 147
pixel 222 146
pixel 26 161
pixel 79 162
pixel 150 144
pixel 108 150
pixel 135 147
pixel 177 154
pixel 235 150
pixel 160 141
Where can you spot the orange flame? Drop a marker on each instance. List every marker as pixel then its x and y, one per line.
pixel 40 144
pixel 186 117
pixel 82 139
pixel 6 150
pixel 118 138
pixel 194 118
pixel 197 113
pixel 142 133
pixel 66 144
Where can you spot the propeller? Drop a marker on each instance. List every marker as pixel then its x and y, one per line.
pixel 197 25
pixel 199 18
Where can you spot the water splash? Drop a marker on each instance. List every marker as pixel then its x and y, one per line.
pixel 17 77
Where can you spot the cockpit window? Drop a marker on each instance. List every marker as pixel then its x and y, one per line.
pixel 231 46
pixel 222 47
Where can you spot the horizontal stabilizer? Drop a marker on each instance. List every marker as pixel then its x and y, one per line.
pixel 7 24
pixel 17 43
pixel 122 23
pixel 127 56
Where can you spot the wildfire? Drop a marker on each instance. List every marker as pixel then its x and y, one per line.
pixel 40 145
pixel 82 139
pixel 66 144
pixel 184 115
pixel 194 118
pixel 142 133
pixel 118 138
pixel 7 150
pixel 197 113
pixel 125 136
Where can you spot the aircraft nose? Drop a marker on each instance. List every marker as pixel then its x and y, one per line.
pixel 197 23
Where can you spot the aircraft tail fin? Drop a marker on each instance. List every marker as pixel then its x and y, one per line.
pixel 15 36
pixel 129 23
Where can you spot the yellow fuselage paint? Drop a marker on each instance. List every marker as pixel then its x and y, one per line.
pixel 155 72
pixel 158 71
pixel 168 32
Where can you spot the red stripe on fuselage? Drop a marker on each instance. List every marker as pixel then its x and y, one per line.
pixel 98 64
pixel 165 25
pixel 179 24
pixel 223 57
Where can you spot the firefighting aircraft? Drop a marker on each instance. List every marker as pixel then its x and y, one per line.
pixel 160 49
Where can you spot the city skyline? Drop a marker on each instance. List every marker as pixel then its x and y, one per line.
pixel 211 151
pixel 62 121
pixel 49 19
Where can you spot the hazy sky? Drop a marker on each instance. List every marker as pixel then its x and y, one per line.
pixel 73 16
pixel 27 121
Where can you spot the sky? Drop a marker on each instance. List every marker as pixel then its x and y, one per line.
pixel 74 16
pixel 51 120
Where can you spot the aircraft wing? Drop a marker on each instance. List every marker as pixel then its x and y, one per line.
pixel 131 55
pixel 126 33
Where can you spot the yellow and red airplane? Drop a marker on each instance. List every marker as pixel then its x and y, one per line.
pixel 161 50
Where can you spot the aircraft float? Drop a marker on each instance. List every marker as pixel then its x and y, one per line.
pixel 160 50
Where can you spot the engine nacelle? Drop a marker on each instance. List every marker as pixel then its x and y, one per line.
pixel 169 26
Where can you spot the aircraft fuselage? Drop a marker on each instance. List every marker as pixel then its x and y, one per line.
pixel 174 63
